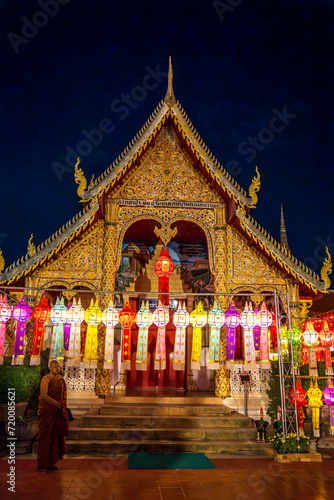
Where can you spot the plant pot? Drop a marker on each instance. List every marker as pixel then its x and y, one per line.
pixel 25 430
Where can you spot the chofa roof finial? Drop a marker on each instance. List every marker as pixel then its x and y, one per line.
pixel 170 97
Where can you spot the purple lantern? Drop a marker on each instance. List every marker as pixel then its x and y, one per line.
pixel 232 321
pixel 256 333
pixel 328 395
pixel 67 329
pixel 21 314
pixel 5 314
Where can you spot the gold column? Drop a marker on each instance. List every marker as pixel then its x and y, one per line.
pixel 222 388
pixel 295 305
pixel 103 377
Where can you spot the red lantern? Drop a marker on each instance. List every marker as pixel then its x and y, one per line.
pixel 126 318
pixel 163 268
pixel 300 403
pixel 326 341
pixel 41 314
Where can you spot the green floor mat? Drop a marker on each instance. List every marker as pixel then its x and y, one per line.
pixel 169 461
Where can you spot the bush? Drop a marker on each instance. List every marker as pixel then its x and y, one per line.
pixel 274 391
pixel 25 380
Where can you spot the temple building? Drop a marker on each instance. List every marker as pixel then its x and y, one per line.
pixel 165 197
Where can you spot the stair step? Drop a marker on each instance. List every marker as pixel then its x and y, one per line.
pixel 162 434
pixel 166 400
pixel 171 421
pixel 165 446
pixel 149 410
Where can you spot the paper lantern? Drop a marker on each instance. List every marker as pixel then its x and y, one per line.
pixel 272 338
pixel 314 396
pixel 248 320
pixel 40 314
pixel 21 313
pixel 160 319
pixel 67 328
pixel 5 314
pixel 300 403
pixel 144 320
pixel 110 318
pixel 198 318
pixel 326 341
pixel 216 319
pixel 76 315
pixel 328 395
pixel 232 321
pixel 296 335
pixel 163 268
pixel 181 320
pixel 265 319
pixel 58 316
pixel 93 317
pixel 310 339
pixel 127 318
pixel 256 333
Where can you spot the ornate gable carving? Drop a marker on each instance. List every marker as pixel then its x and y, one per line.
pixel 81 261
pixel 247 265
pixel 166 172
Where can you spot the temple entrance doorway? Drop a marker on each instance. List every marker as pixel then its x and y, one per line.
pixel 137 280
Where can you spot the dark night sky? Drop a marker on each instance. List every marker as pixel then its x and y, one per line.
pixel 230 72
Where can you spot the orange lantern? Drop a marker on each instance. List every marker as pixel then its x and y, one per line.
pixel 126 318
pixel 41 314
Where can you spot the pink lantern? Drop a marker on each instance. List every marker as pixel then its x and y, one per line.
pixel 21 314
pixel 5 314
pixel 328 395
pixel 160 319
pixel 181 320
pixel 248 321
pixel 256 333
pixel 232 321
pixel 265 319
pixel 326 341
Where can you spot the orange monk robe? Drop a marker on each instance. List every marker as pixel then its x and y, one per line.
pixel 51 447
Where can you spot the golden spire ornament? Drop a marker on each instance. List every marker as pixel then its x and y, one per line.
pixel 170 97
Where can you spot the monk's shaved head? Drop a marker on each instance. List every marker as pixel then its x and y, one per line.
pixel 53 362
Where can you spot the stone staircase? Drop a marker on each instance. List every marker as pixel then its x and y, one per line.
pixel 161 424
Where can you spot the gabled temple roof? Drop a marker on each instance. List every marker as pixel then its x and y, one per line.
pixel 168 109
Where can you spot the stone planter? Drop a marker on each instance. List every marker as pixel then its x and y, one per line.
pixel 20 411
pixel 25 431
pixel 310 456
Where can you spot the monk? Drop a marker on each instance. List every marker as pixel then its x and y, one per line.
pixel 50 446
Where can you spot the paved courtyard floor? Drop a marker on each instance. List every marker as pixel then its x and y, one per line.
pixel 235 478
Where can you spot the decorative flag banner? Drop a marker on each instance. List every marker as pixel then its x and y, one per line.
pixel 181 320
pixel 76 315
pixel 126 318
pixel 67 328
pixel 300 402
pixel 58 317
pixel 232 321
pixel 198 318
pixel 144 320
pixel 314 395
pixel 248 321
pixel 93 317
pixel 21 313
pixel 256 333
pixel 160 319
pixel 265 320
pixel 110 318
pixel 5 314
pixel 40 314
pixel 326 341
pixel 272 337
pixel 163 268
pixel 216 321
pixel 310 339
pixel 328 394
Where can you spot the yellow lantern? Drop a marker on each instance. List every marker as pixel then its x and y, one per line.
pixel 314 396
pixel 198 318
pixel 93 317
pixel 310 339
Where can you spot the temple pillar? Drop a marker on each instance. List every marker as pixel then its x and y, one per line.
pixel 294 303
pixel 109 257
pixel 222 385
